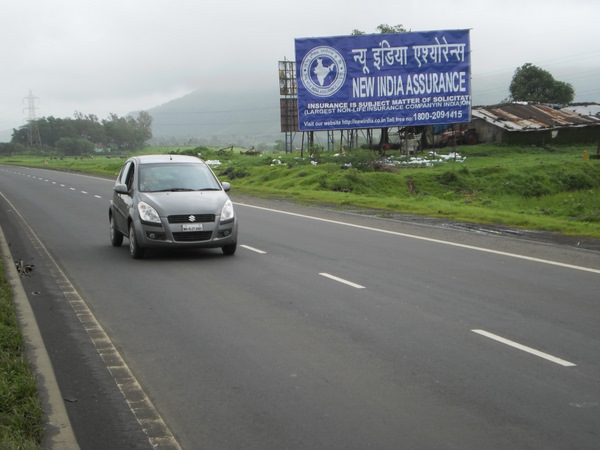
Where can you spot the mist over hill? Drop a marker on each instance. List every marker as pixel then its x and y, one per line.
pixel 251 118
pixel 218 119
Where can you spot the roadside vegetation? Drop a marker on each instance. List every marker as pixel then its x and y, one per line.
pixel 550 189
pixel 539 188
pixel 81 134
pixel 20 410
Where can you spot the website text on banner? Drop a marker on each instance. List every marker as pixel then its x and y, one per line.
pixel 383 80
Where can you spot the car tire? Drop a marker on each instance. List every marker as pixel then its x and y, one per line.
pixel 229 249
pixel 135 250
pixel 116 237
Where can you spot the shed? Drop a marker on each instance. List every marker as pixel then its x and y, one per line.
pixel 536 124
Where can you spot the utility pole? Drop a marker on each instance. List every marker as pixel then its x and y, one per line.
pixel 33 132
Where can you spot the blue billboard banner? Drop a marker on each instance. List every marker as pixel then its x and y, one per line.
pixel 383 80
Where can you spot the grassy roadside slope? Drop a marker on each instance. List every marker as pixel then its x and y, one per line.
pixel 552 190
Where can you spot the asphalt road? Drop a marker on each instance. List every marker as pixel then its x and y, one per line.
pixel 325 330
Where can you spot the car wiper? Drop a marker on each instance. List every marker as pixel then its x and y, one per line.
pixel 188 189
pixel 175 190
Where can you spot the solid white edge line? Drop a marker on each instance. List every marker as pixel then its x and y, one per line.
pixel 341 280
pixel 253 249
pixel 437 241
pixel 524 348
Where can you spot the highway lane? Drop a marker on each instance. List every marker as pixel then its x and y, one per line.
pixel 273 349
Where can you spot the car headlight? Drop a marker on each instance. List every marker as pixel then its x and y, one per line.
pixel 227 211
pixel 148 213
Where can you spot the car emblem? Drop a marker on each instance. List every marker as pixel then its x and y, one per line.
pixel 192 218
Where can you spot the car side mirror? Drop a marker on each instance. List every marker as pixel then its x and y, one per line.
pixel 226 186
pixel 121 188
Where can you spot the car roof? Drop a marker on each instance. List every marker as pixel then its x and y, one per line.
pixel 166 159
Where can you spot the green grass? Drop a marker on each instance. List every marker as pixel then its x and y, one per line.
pixel 544 188
pixel 20 410
pixel 529 187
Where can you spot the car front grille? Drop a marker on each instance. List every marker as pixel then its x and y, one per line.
pixel 192 236
pixel 192 218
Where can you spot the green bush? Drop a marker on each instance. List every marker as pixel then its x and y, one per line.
pixel 576 181
pixel 351 180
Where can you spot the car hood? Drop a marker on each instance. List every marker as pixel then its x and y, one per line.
pixel 168 203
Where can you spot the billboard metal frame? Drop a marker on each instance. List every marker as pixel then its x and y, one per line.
pixel 288 103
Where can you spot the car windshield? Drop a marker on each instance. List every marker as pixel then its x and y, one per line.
pixel 177 177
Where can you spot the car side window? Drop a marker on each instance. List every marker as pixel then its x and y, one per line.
pixel 129 180
pixel 123 173
pixel 126 176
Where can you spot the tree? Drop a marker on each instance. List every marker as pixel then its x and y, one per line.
pixel 10 148
pixel 75 136
pixel 127 133
pixel 144 125
pixel 533 84
pixel 387 29
pixel 74 146
pixel 384 28
pixel 90 128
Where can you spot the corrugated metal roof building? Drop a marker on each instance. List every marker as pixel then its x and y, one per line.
pixel 536 124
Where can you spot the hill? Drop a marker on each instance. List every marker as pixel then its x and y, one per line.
pixel 218 119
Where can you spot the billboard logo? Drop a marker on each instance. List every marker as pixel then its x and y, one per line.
pixel 323 71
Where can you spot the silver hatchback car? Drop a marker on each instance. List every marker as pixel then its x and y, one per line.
pixel 171 201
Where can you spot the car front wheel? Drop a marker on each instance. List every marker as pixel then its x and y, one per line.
pixel 229 249
pixel 116 237
pixel 135 250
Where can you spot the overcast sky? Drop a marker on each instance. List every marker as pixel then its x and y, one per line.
pixel 101 57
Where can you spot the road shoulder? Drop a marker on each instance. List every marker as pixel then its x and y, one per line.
pixel 58 433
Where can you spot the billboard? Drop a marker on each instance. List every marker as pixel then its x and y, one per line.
pixel 383 80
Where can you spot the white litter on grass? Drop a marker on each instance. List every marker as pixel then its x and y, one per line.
pixel 434 158
pixel 452 155
pixel 213 162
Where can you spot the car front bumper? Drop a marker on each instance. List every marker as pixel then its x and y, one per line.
pixel 181 235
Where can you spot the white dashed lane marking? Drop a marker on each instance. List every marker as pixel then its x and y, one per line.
pixel 341 280
pixel 52 182
pixel 524 348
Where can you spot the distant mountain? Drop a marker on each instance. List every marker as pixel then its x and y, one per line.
pixel 209 118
